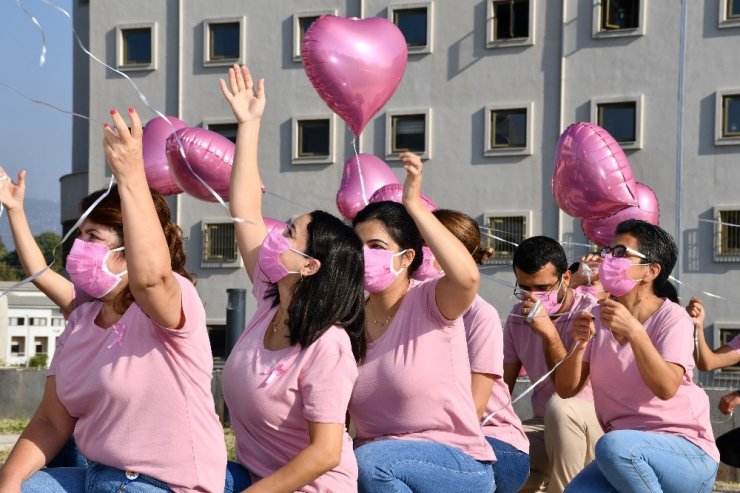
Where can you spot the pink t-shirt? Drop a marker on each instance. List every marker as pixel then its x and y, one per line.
pixel 622 398
pixel 523 345
pixel 735 343
pixel 486 352
pixel 142 394
pixel 272 395
pixel 415 380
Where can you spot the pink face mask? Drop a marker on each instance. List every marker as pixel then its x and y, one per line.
pixel 274 245
pixel 379 271
pixel 613 274
pixel 427 270
pixel 88 269
pixel 549 299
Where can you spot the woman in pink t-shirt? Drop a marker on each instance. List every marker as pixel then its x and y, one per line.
pixel 132 371
pixel 288 380
pixel 637 350
pixel 412 405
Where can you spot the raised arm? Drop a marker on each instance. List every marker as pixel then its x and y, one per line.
pixel 706 359
pixel 150 276
pixel 57 288
pixel 459 285
pixel 245 191
pixel 572 374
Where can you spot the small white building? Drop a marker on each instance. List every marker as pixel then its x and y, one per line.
pixel 30 324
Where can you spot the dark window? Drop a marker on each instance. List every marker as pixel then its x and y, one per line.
pixel 18 346
pixel 509 128
pixel 729 233
pixel 413 25
pixel 620 14
pixel 304 23
pixel 137 46
pixel 733 9
pixel 219 243
pixel 224 41
pixel 509 231
pixel 620 120
pixel 408 133
pixel 731 115
pixel 510 19
pixel 228 130
pixel 313 138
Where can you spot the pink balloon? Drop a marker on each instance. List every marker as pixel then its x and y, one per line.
pixel 156 166
pixel 592 177
pixel 354 64
pixel 271 224
pixel 370 171
pixel 602 230
pixel 394 193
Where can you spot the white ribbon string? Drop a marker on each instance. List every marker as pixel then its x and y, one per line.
pixel 496 237
pixel 42 57
pixel 719 222
pixel 359 172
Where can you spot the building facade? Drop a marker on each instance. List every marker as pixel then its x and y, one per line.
pixel 488 88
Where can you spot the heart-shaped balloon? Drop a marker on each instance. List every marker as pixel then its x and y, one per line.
pixel 592 177
pixel 362 176
pixel 156 166
pixel 394 193
pixel 209 155
pixel 602 230
pixel 354 64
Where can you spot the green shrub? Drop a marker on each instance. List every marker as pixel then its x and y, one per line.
pixel 38 360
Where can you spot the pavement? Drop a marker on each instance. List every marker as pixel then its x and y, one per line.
pixel 8 440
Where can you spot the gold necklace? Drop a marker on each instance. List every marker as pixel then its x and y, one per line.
pixel 274 324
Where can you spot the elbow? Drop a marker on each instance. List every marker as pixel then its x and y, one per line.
pixel 702 365
pixel 331 460
pixel 665 394
pixel 565 393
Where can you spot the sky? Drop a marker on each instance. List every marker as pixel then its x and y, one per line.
pixel 32 136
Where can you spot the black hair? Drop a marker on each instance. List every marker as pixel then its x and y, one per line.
pixel 573 268
pixel 536 252
pixel 657 245
pixel 398 224
pixel 668 290
pixel 334 295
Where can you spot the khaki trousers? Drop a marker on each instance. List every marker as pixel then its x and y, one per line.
pixel 561 444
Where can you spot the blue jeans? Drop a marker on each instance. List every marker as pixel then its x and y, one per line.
pixel 405 466
pixel 96 478
pixel 237 477
pixel 511 468
pixel 630 461
pixel 69 456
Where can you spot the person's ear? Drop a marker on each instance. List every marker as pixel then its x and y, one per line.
pixel 652 273
pixel 566 278
pixel 408 258
pixel 310 268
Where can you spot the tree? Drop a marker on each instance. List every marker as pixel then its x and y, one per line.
pixel 12 270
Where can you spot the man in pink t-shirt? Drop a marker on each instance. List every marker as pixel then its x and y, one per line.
pixel 563 432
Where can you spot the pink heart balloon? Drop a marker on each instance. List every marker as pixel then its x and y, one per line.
pixel 602 230
pixel 394 193
pixel 371 172
pixel 592 177
pixel 156 166
pixel 210 156
pixel 354 64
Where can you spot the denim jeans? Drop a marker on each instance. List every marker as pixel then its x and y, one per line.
pixel 96 478
pixel 511 468
pixel 69 456
pixel 237 478
pixel 630 461
pixel 405 466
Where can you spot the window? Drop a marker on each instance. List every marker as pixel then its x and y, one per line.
pixel 313 140
pixel 724 333
pixel 617 18
pixel 510 23
pixel 727 118
pixel 17 321
pixel 136 47
pixel 407 131
pixel 414 20
pixel 301 22
pixel 41 344
pixel 503 232
pixel 228 130
pixel 223 41
pixel 621 117
pixel 219 245
pixel 38 322
pixel 17 346
pixel 729 13
pixel 508 130
pixel 57 322
pixel 727 234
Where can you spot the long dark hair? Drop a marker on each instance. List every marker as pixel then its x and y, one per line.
pixel 334 294
pixel 108 213
pixel 399 225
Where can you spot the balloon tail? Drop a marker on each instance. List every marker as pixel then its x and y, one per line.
pixel 359 172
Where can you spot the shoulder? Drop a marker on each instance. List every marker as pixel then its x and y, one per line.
pixel 480 309
pixel 671 314
pixel 583 301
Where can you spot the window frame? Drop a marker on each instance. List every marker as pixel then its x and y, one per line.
pixel 597 32
pixel 297 38
pixel 493 43
pixel 525 213
pixel 227 62
pixel 718 255
pixel 717 329
pixel 208 263
pixel 490 151
pixel 725 20
pixel 390 155
pixel 23 346
pixel 208 122
pixel 429 6
pixel 134 67
pixel 719 118
pixel 637 99
pixel 296 158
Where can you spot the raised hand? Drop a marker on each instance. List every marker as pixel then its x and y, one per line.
pixel 412 186
pixel 583 328
pixel 122 146
pixel 696 311
pixel 619 320
pixel 247 101
pixel 728 402
pixel 11 194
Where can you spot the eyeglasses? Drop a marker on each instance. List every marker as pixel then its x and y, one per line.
pixel 619 251
pixel 518 291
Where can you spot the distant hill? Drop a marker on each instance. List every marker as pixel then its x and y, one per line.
pixel 43 215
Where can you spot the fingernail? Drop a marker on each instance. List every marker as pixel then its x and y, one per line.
pixel 130 109
pixel 106 125
pixel 113 112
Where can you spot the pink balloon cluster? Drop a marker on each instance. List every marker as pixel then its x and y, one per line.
pixel 593 182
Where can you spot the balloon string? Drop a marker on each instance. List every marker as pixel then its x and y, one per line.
pixel 286 199
pixel 49 105
pixel 359 172
pixel 42 57
pixel 498 238
pixel 711 295
pixel 721 223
